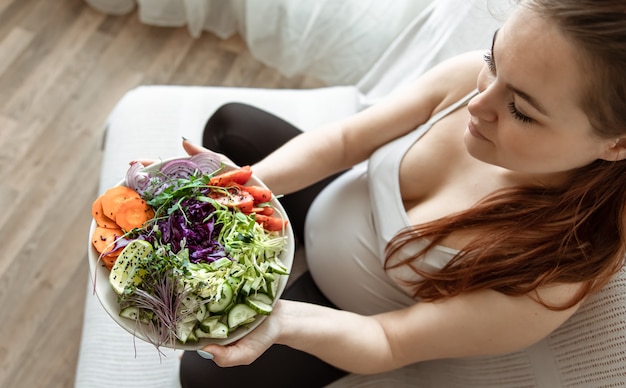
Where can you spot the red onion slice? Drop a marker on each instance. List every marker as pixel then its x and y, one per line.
pixel 141 181
pixel 207 162
pixel 179 168
pixel 136 178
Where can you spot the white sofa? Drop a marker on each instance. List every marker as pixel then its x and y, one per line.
pixel 589 350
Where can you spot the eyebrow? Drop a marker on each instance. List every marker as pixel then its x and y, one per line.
pixel 493 41
pixel 530 100
pixel 523 95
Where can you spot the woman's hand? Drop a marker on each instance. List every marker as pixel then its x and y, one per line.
pixel 191 150
pixel 250 347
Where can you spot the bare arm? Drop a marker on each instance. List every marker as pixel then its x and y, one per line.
pixel 343 144
pixel 480 323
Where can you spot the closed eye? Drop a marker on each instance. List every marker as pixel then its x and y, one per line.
pixel 489 61
pixel 519 115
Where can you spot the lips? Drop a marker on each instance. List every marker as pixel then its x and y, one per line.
pixel 474 132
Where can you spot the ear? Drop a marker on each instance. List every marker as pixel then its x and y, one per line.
pixel 616 150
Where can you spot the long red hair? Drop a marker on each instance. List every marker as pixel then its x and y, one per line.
pixel 528 237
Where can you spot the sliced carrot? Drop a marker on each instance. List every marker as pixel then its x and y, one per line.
pixel 271 223
pixel 240 176
pixel 114 197
pixel 133 213
pixel 103 238
pixel 98 215
pixel 109 258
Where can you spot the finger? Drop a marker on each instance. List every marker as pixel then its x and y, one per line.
pixel 239 353
pixel 192 148
pixel 219 355
pixel 144 162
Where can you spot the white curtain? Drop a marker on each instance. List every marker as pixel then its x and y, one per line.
pixel 336 41
pixel 217 16
pixel 375 44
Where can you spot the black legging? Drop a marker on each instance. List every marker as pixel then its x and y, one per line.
pixel 246 135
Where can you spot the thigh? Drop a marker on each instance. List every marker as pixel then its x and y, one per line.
pixel 279 366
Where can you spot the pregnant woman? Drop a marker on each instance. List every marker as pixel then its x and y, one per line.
pixel 469 215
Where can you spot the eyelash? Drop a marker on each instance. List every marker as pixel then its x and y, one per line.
pixel 511 106
pixel 489 61
pixel 518 115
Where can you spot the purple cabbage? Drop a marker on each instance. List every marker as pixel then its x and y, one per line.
pixel 192 222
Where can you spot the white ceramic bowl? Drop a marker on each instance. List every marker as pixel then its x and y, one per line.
pixel 108 297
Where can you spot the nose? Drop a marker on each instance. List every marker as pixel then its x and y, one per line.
pixel 482 105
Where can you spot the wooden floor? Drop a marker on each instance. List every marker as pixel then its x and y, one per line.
pixel 63 66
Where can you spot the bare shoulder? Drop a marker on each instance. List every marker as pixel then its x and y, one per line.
pixel 456 77
pixel 407 108
pixel 440 86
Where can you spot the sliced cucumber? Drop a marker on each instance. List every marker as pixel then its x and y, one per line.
pixel 130 312
pixel 209 324
pixel 136 314
pixel 240 314
pixel 261 297
pixel 220 330
pixel 259 307
pixel 278 267
pixel 190 318
pixel 225 300
pixel 202 334
pixel 185 331
pixel 191 301
pixel 201 313
pixel 192 337
pixel 273 288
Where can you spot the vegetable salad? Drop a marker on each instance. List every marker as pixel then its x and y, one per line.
pixel 193 250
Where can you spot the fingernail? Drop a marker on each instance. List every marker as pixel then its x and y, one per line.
pixel 204 354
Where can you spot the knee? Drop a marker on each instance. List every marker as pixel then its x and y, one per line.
pixel 223 121
pixel 225 116
pixel 229 111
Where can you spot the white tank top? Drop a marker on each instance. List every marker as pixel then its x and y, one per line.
pixel 350 223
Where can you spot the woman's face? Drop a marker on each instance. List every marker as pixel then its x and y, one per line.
pixel 528 116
